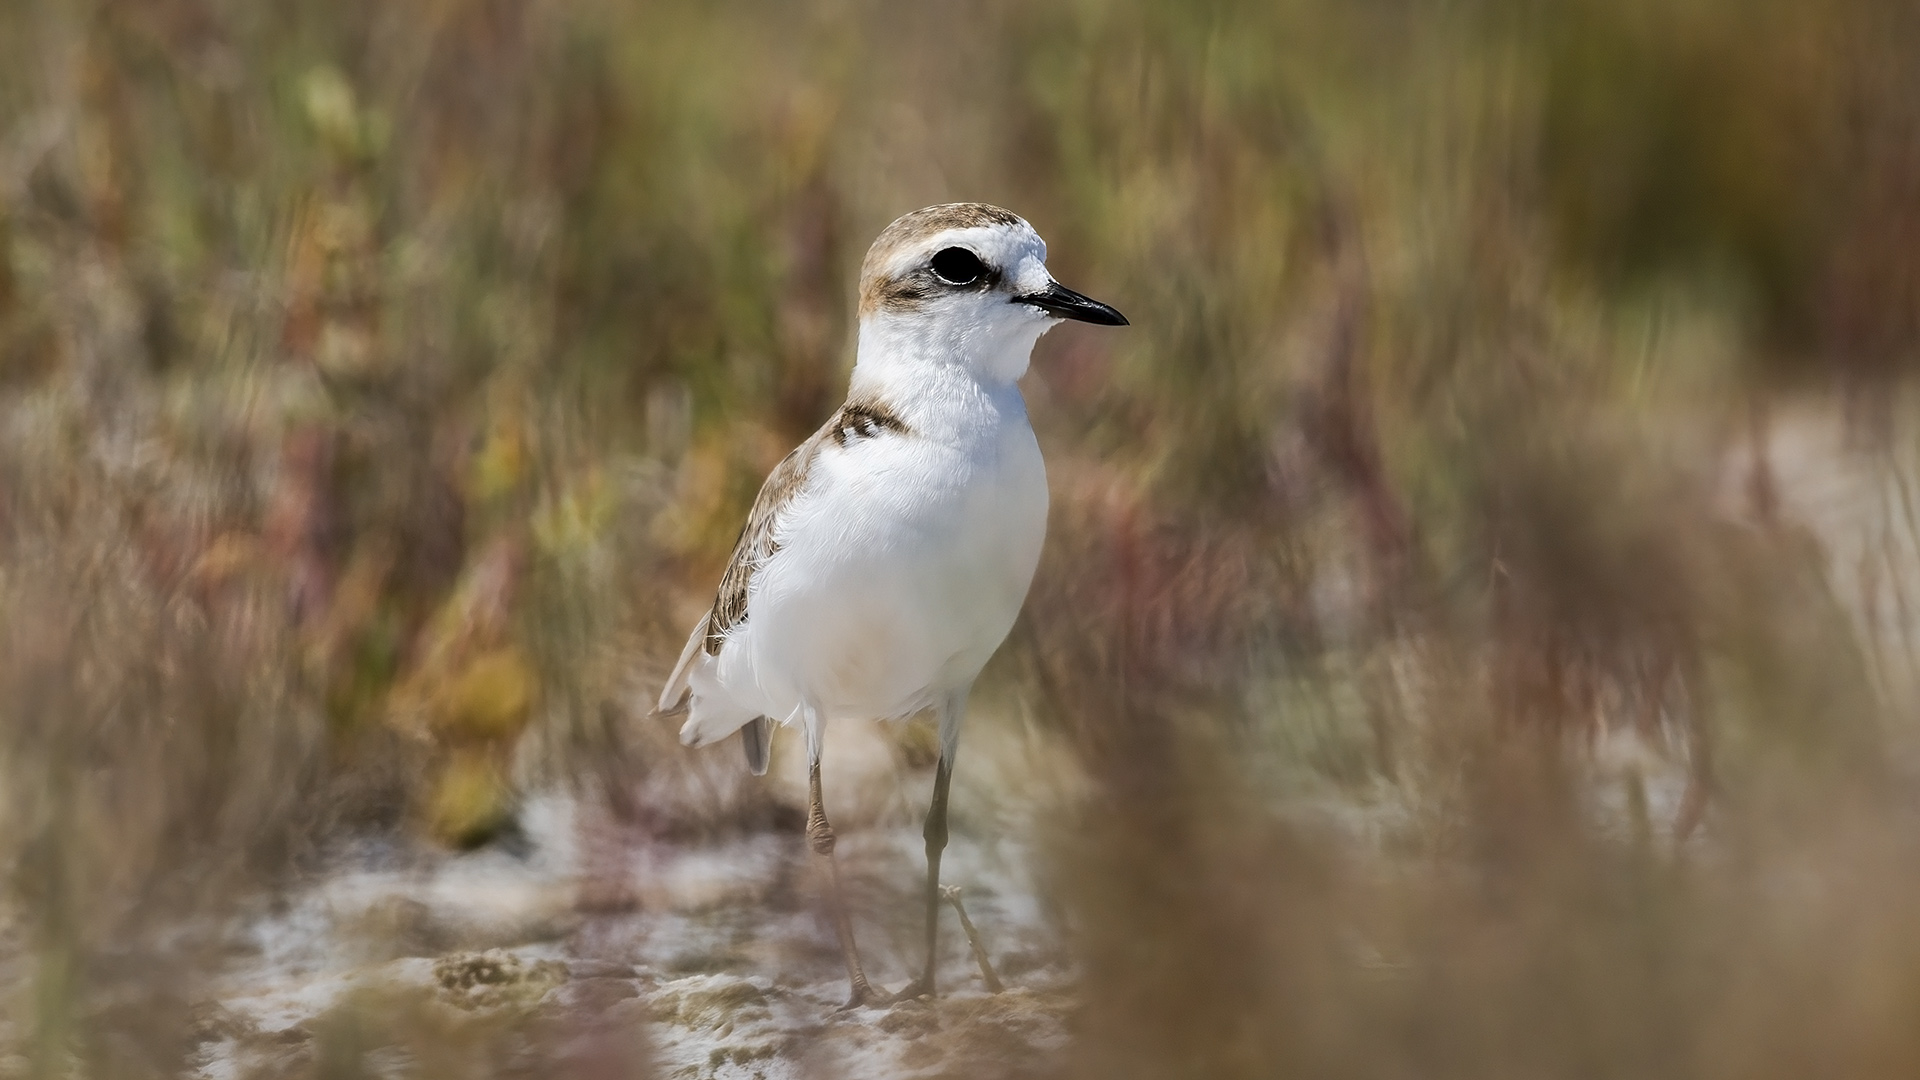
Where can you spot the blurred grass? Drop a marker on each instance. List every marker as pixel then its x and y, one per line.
pixel 382 386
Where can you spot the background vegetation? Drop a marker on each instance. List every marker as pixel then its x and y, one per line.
pixel 1477 618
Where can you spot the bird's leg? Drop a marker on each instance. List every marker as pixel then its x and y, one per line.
pixel 936 837
pixel 987 975
pixel 820 839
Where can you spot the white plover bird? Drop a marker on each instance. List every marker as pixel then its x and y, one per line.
pixel 886 558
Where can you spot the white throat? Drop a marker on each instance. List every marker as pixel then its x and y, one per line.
pixel 993 346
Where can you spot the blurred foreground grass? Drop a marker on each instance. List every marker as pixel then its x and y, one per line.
pixel 1479 600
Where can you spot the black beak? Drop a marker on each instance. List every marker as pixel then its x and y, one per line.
pixel 1063 303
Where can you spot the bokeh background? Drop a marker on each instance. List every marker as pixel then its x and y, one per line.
pixel 1476 635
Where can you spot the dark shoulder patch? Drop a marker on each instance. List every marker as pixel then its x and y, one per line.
pixel 864 418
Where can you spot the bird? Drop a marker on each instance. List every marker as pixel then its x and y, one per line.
pixel 886 557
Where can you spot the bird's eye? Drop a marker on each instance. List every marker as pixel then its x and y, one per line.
pixel 958 266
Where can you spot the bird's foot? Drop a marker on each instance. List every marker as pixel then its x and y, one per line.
pixel 921 987
pixel 865 996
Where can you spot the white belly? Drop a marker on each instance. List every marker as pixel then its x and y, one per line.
pixel 900 571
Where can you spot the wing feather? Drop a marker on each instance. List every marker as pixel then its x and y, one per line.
pixel 673 699
pixel 757 544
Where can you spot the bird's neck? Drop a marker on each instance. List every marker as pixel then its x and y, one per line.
pixel 994 353
pixel 941 383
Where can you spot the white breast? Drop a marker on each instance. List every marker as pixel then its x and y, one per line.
pixel 901 567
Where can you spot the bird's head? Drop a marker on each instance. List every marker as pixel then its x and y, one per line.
pixel 964 283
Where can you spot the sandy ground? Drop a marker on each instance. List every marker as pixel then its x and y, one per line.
pixel 719 956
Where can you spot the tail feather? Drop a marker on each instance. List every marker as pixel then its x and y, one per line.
pixel 713 720
pixel 757 739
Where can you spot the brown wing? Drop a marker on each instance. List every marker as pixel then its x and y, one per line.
pixel 756 543
pixel 673 698
pixel 861 418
